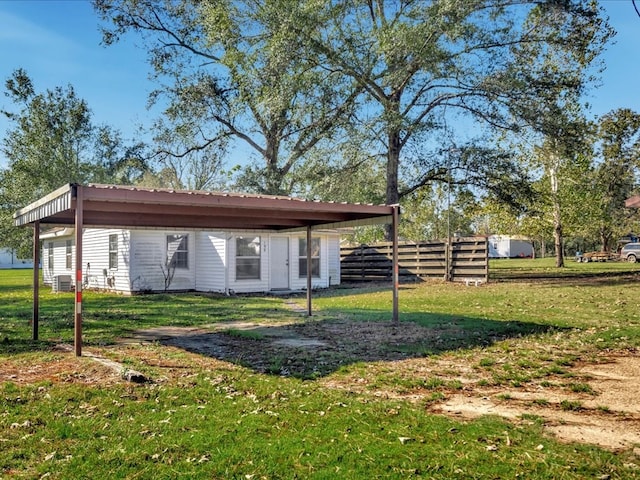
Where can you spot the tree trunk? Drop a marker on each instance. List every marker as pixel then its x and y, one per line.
pixel 558 240
pixel 557 217
pixel 393 163
pixel 605 239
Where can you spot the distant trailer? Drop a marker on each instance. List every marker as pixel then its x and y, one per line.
pixel 9 259
pixel 505 246
pixel 596 257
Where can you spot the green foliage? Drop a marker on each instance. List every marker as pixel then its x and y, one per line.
pixel 615 176
pixel 304 85
pixel 52 142
pixel 238 70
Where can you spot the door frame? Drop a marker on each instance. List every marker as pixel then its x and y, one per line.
pixel 279 254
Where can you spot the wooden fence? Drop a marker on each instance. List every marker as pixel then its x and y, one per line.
pixel 466 259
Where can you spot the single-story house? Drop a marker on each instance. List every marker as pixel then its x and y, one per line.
pixel 143 227
pixel 9 259
pixel 505 246
pixel 145 260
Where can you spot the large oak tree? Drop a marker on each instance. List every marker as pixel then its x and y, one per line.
pixel 238 68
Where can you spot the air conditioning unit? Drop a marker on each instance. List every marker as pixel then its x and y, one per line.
pixel 62 283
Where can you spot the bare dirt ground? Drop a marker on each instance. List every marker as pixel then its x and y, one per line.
pixel 606 414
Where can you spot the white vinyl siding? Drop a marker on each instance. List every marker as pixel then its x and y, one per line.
pixel 96 258
pixel 210 270
pixel 149 261
pixel 55 260
pixel 333 259
pixel 212 261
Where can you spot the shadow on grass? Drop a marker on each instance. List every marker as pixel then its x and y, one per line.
pixel 320 346
pixel 107 317
pixel 281 345
pixel 15 346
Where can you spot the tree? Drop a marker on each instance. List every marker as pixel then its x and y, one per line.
pixel 116 162
pixel 552 81
pixel 421 63
pixel 615 175
pixel 44 149
pixel 195 168
pixel 236 70
pixel 51 142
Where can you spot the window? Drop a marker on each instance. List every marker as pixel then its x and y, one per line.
pixel 113 252
pixel 50 255
pixel 178 251
pixel 69 255
pixel 247 258
pixel 315 257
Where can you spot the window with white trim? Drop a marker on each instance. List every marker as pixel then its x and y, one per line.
pixel 178 251
pixel 315 257
pixel 50 255
pixel 69 255
pixel 113 251
pixel 247 258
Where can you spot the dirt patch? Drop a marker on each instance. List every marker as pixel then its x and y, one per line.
pixel 304 349
pixel 609 416
pixel 62 366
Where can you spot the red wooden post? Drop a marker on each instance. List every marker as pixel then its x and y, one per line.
pixel 36 278
pixel 78 303
pixel 309 312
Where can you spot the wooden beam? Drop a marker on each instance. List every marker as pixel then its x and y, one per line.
pixel 78 282
pixel 396 277
pixel 36 279
pixel 309 312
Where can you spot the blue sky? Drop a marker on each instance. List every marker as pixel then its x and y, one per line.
pixel 58 43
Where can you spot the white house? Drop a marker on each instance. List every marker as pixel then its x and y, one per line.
pixel 505 246
pixel 143 260
pixel 9 259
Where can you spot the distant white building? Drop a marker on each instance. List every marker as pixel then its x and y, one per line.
pixel 505 246
pixel 9 259
pixel 141 260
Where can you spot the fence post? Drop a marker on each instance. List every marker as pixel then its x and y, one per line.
pixel 446 260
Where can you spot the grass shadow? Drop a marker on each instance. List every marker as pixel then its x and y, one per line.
pixel 321 346
pixel 16 346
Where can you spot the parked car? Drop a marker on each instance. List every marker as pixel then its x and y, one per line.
pixel 630 252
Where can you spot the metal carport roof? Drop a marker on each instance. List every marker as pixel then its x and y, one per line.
pixel 96 205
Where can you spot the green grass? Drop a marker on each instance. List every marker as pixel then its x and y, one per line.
pixel 109 316
pixel 213 419
pixel 508 269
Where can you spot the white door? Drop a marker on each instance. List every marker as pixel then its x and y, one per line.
pixel 279 263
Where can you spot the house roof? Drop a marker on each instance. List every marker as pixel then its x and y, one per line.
pixel 633 202
pixel 129 206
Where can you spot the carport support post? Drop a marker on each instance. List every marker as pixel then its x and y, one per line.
pixel 78 304
pixel 396 276
pixel 309 312
pixel 36 278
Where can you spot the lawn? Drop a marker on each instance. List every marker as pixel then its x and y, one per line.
pixel 367 400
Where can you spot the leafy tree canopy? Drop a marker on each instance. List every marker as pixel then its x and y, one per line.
pixel 52 142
